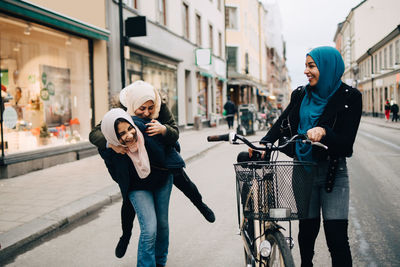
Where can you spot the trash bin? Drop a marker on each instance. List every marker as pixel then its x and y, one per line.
pixel 198 125
pixel 246 118
pixel 213 120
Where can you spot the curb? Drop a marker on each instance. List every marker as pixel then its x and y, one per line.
pixel 24 235
pixel 381 125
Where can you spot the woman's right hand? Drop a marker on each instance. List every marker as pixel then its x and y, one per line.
pixel 118 149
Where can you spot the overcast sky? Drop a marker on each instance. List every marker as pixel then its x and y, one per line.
pixel 308 24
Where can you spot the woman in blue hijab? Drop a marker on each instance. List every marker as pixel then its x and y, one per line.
pixel 327 111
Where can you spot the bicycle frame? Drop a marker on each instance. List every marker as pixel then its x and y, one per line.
pixel 262 236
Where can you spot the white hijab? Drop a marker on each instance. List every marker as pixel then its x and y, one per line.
pixel 137 152
pixel 136 94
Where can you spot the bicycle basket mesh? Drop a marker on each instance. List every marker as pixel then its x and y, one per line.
pixel 281 186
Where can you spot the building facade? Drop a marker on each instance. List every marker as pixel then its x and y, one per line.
pixel 182 54
pixel 257 72
pixel 379 74
pixel 53 69
pixel 367 42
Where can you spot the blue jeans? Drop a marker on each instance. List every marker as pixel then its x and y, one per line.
pixel 152 213
pixel 334 205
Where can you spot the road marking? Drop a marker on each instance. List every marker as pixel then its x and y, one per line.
pixel 379 139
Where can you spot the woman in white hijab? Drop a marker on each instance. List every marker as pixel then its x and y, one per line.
pixel 143 101
pixel 146 184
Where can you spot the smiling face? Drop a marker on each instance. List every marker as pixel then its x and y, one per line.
pixel 145 110
pixel 126 133
pixel 311 71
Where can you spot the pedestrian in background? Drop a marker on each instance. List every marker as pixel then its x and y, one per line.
pixel 230 109
pixel 395 111
pixel 387 110
pixel 327 111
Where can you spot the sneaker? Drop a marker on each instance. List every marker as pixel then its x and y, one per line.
pixel 121 247
pixel 207 212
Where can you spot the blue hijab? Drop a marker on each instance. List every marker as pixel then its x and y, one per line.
pixel 331 67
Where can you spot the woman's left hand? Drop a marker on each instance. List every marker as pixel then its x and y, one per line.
pixel 315 134
pixel 155 127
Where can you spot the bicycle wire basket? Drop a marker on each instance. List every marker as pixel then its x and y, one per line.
pixel 275 191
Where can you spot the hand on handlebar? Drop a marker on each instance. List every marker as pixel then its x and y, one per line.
pixel 315 134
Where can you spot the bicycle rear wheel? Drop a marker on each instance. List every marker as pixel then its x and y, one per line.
pixel 280 253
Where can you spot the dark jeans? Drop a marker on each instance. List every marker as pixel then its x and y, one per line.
pixel 395 116
pixel 181 181
pixel 229 119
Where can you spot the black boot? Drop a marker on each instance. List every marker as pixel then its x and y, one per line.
pixel 127 216
pixel 183 183
pixel 206 211
pixel 122 246
pixel 338 242
pixel 308 232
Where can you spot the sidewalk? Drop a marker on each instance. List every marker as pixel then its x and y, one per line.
pixel 38 203
pixel 381 122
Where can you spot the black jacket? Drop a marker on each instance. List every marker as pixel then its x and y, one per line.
pixel 124 173
pixel 340 119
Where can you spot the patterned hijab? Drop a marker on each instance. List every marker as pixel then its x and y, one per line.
pixel 137 152
pixel 331 67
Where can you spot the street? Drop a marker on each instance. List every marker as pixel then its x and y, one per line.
pixel 374 216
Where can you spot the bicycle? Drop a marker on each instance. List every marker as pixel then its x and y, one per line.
pixel 269 191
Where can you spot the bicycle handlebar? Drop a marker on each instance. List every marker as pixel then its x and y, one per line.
pixel 233 137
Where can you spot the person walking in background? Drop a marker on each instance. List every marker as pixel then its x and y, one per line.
pixel 387 110
pixel 395 111
pixel 316 110
pixel 230 109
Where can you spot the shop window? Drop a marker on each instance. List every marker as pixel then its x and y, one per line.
pixel 202 97
pixel 163 76
pixel 45 84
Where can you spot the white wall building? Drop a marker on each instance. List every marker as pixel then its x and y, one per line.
pixel 166 58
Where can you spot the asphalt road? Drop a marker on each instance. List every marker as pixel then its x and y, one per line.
pixel 374 216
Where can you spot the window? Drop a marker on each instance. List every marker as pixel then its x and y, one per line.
pixel 397 52
pixel 219 5
pixel 211 44
pixel 45 78
pixel 391 55
pixel 161 10
pixel 380 61
pixel 231 18
pixel 198 30
pixel 232 58
pixel 385 58
pixel 220 44
pixel 130 3
pixel 376 64
pixel 185 17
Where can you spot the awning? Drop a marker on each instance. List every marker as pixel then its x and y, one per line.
pixel 206 74
pixel 51 18
pixel 222 79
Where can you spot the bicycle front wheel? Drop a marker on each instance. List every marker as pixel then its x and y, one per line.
pixel 280 253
